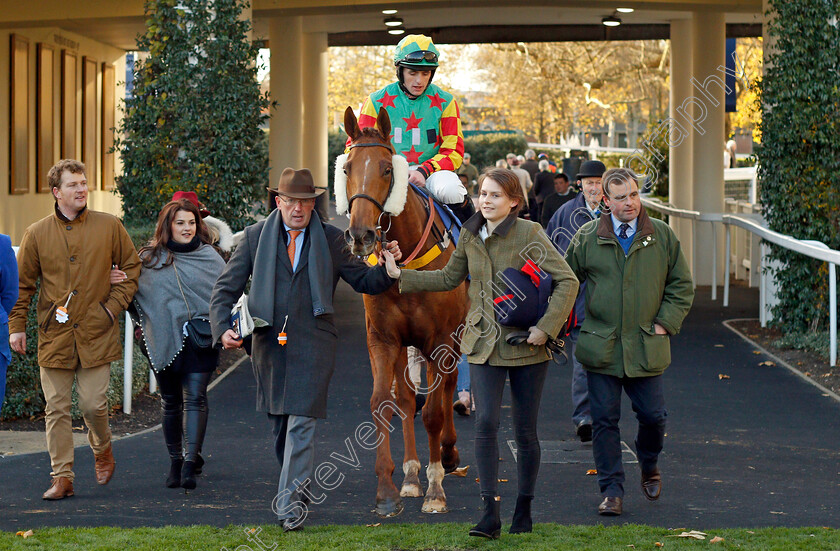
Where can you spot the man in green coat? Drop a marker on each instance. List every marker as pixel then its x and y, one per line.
pixel 640 291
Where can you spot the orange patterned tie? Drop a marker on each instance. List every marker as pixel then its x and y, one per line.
pixel 291 248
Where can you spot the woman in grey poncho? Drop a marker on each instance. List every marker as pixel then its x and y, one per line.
pixel 179 270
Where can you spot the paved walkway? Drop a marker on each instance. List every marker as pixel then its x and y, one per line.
pixel 761 448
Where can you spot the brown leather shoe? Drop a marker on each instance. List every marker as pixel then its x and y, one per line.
pixel 610 507
pixel 652 484
pixel 60 488
pixel 104 466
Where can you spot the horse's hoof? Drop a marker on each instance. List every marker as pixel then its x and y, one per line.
pixel 435 506
pixel 411 490
pixel 389 508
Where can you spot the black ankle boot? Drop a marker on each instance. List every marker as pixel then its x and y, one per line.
pixel 188 475
pixel 490 525
pixel 522 515
pixel 174 478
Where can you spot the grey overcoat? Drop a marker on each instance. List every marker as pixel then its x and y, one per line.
pixel 292 379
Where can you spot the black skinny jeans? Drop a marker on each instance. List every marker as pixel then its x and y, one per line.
pixel 526 385
pixel 180 392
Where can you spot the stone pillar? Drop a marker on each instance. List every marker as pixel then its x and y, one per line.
pixel 285 36
pixel 680 175
pixel 314 154
pixel 708 83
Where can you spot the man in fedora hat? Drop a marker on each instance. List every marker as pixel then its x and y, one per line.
pixel 294 261
pixel 561 228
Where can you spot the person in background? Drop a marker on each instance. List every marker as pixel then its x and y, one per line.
pixel 8 297
pixel 524 181
pixel 530 164
pixel 180 267
pixel 472 173
pixel 638 294
pixel 561 229
pixel 72 252
pixel 543 186
pixel 563 193
pixel 491 241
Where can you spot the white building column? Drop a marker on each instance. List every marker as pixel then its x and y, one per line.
pixel 314 154
pixel 707 120
pixel 285 36
pixel 680 173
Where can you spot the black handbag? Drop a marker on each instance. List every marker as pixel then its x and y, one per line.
pixel 198 330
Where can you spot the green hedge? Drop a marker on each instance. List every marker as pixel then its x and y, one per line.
pixel 24 397
pixel 799 155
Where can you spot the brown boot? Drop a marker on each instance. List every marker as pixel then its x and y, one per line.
pixel 60 488
pixel 104 466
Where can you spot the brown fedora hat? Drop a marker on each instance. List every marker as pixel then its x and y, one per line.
pixel 297 184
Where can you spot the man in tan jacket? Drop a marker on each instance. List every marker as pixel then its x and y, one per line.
pixel 72 251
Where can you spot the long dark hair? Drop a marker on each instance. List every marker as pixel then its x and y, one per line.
pixel 154 250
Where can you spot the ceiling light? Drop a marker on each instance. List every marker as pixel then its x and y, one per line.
pixel 389 12
pixel 611 21
pixel 393 21
pixel 624 10
pixel 396 30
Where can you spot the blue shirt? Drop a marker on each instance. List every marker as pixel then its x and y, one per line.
pixel 298 244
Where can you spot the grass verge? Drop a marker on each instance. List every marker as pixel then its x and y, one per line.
pixel 416 537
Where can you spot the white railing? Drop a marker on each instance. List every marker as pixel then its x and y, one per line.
pixel 753 223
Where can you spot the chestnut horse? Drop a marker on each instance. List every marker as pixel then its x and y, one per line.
pixel 372 185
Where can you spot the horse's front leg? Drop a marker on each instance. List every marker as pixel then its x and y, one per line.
pixel 382 406
pixel 405 395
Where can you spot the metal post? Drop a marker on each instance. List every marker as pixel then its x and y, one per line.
pixel 128 364
pixel 762 288
pixel 832 311
pixel 152 381
pixel 714 261
pixel 726 266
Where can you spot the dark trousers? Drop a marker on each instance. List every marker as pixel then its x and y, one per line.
pixel 294 446
pixel 646 395
pixel 526 384
pixel 181 392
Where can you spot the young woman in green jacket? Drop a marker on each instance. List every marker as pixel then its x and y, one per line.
pixel 491 241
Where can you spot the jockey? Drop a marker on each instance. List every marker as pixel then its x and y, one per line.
pixel 425 123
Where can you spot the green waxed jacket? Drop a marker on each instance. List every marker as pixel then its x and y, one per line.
pixel 626 295
pixel 512 243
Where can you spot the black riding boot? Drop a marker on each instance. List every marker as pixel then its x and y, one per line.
pixel 173 435
pixel 522 515
pixel 490 525
pixel 464 210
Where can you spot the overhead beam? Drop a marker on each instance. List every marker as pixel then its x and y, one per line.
pixel 530 33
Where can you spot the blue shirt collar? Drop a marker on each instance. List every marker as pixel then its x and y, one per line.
pixel 616 223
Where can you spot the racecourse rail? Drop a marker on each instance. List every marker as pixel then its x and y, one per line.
pixel 753 223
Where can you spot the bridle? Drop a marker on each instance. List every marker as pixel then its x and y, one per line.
pixel 383 239
pixel 382 232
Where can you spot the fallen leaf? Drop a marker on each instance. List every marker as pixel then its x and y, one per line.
pixel 26 534
pixel 592 471
pixel 460 471
pixel 694 534
pixel 659 544
pixel 716 539
pixel 721 376
pixel 756 351
pixel 777 513
pixel 718 346
pixel 768 363
pixel 750 532
pixel 373 525
pixel 807 373
pixel 503 480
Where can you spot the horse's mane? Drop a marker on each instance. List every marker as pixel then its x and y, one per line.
pixel 371 132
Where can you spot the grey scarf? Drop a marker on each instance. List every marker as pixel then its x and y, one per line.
pixel 161 307
pixel 261 298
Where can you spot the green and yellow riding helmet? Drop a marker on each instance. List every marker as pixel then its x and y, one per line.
pixel 418 52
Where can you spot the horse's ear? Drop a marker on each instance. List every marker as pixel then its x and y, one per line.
pixel 383 122
pixel 351 125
